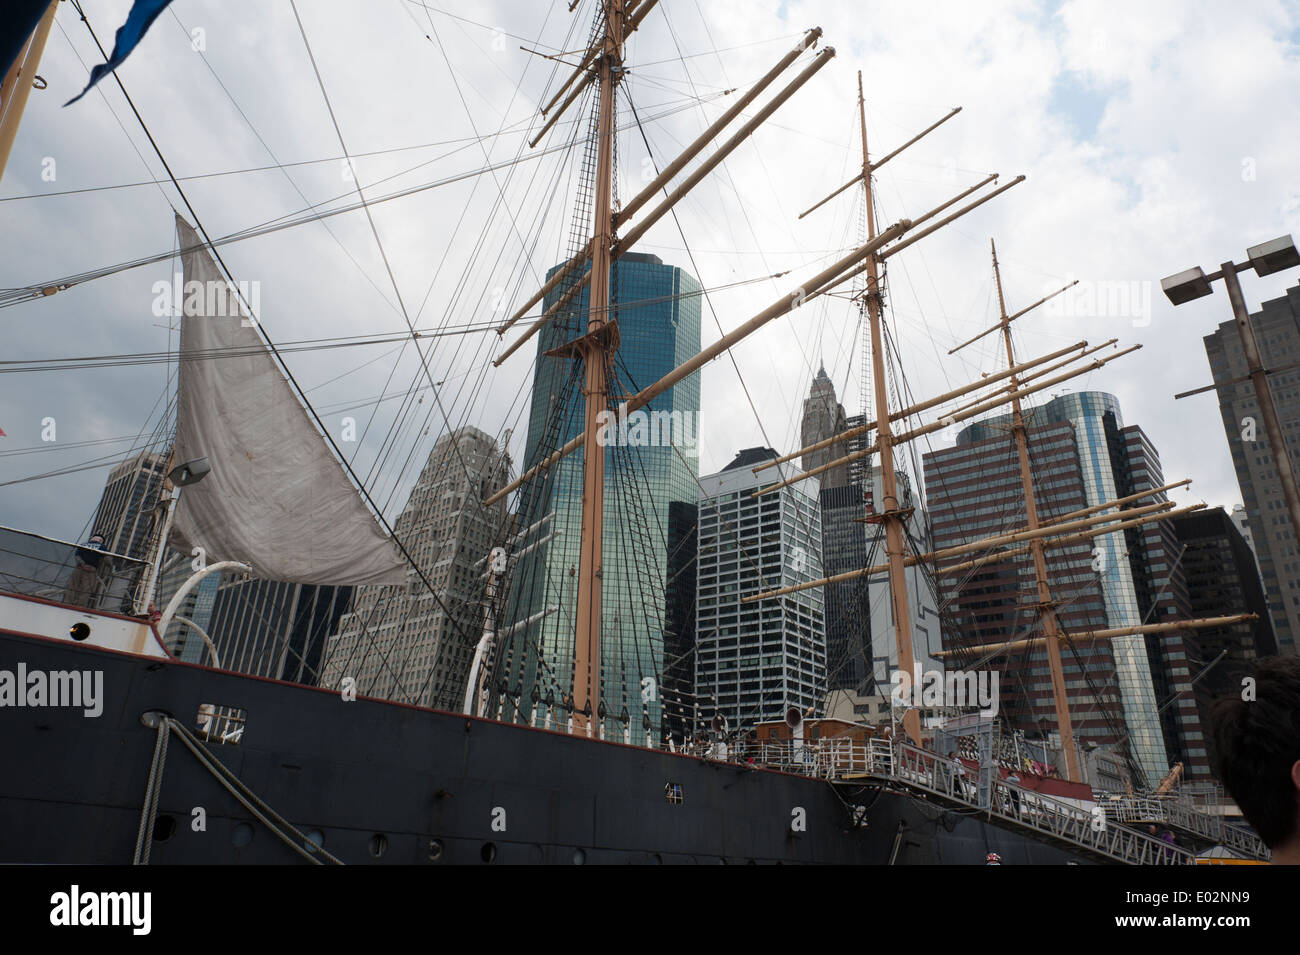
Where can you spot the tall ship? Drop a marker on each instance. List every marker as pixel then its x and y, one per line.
pixel 558 717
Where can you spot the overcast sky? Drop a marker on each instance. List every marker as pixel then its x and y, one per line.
pixel 1155 136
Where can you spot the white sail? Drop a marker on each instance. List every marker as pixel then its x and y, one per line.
pixel 276 497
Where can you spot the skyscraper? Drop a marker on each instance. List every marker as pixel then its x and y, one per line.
pixel 844 538
pixel 823 417
pixel 125 512
pixel 271 628
pixel 407 642
pixel 1223 580
pixel 754 660
pixel 1277 330
pixel 650 462
pixel 1081 455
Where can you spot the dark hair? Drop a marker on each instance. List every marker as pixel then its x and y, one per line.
pixel 1258 742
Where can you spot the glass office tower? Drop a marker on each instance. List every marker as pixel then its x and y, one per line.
pixel 650 463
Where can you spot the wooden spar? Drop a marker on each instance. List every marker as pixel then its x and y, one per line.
pixel 892 515
pixel 705 167
pixel 1108 634
pixel 1118 502
pixel 18 82
pixel 577 91
pixel 956 551
pixel 724 150
pixel 949 420
pixel 818 285
pixel 916 236
pixel 706 137
pixel 635 16
pixel 852 182
pixel 1158 515
pixel 919 136
pixel 1039 374
pixel 580 259
pixel 876 165
pixel 917 408
pixel 1012 318
pixel 1046 608
pixel 597 356
pixel 946 220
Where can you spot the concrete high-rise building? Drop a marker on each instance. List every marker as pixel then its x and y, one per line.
pixel 1277 331
pixel 755 660
pixel 1081 455
pixel 406 642
pixel 1241 521
pixel 126 508
pixel 651 461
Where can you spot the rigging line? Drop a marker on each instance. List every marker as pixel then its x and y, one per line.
pixel 501 194
pixel 103 95
pixel 230 277
pixel 19 294
pixel 744 208
pixel 466 141
pixel 275 159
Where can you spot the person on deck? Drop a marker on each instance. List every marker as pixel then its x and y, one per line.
pixel 83 585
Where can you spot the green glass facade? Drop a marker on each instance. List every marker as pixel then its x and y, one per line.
pixel 649 465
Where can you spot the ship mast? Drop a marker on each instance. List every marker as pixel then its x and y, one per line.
pixel 597 346
pixel 1045 607
pixel 19 81
pixel 892 517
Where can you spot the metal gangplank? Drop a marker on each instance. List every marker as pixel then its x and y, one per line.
pixel 1179 813
pixel 903 767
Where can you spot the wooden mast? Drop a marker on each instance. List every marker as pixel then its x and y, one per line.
pixel 597 346
pixel 892 517
pixel 17 85
pixel 1045 607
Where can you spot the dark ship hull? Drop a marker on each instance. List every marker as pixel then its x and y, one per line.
pixel 389 783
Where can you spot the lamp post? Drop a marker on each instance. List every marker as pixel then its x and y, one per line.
pixel 1266 258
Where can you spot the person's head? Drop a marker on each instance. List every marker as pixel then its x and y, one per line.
pixel 1151 829
pixel 1258 742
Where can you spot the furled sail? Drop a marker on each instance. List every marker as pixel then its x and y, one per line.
pixel 276 497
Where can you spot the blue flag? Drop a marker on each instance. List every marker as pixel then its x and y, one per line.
pixel 143 14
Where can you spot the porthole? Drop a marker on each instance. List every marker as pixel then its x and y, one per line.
pixel 378 845
pixel 79 631
pixel 435 850
pixel 488 852
pixel 164 827
pixel 242 835
pixel 315 839
pixel 579 857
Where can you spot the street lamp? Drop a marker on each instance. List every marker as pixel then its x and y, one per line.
pixel 1266 258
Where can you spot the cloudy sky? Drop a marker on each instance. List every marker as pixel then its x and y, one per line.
pixel 1155 136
